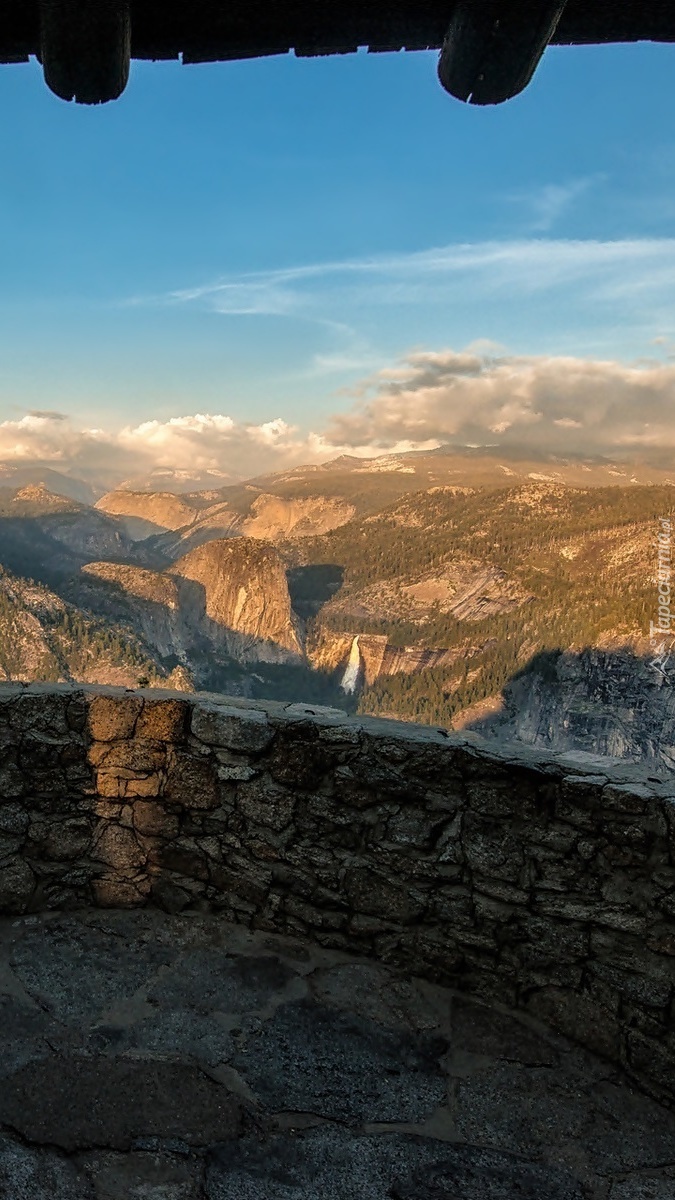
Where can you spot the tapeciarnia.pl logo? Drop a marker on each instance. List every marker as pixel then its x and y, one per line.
pixel 660 631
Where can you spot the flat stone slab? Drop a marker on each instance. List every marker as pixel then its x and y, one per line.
pixel 147 1056
pixel 388 1167
pixel 78 1102
pixel 309 1058
pixel 30 1174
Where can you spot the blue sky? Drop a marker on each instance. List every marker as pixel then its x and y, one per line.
pixel 256 239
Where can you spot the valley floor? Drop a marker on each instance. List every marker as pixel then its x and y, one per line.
pixel 178 1058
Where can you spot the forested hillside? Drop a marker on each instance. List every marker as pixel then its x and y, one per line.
pixel 457 573
pixel 43 638
pixel 576 568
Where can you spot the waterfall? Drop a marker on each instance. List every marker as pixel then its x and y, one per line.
pixel 351 675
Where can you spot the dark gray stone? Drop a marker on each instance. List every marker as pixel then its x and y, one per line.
pixel 643 1187
pixel 378 993
pixel 29 1174
pixel 142 1175
pixel 23 1030
pixel 211 980
pixel 168 1035
pixel 470 1174
pixel 328 1163
pixel 477 1029
pixel 48 960
pixel 80 1103
pixel 315 1165
pixel 310 1058
pixel 554 1112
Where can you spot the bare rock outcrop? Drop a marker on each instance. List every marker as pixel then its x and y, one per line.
pixel 229 596
pixel 146 513
pixel 276 517
pixel 604 702
pixel 237 588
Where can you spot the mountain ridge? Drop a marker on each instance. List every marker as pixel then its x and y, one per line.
pixel 452 588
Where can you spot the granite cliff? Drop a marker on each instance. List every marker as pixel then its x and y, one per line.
pixel 227 598
pixel 44 637
pixel 600 701
pixel 179 523
pixel 454 573
pixel 238 588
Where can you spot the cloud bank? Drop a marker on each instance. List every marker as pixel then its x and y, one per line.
pixel 196 444
pixel 549 405
pixel 478 396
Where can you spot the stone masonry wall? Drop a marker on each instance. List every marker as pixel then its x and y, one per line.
pixel 542 881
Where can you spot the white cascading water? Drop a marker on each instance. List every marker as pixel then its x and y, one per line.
pixel 351 675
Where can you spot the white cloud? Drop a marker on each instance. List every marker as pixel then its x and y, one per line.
pixel 196 443
pixel 523 266
pixel 546 205
pixel 549 405
pixel 337 319
pixel 479 396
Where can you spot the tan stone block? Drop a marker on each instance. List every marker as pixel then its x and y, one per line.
pixel 119 893
pixel 165 720
pixel 97 753
pixel 139 756
pixel 108 783
pixel 107 809
pixel 153 820
pixel 112 717
pixel 118 848
pixel 149 785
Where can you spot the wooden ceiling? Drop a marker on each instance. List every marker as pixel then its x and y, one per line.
pixel 490 48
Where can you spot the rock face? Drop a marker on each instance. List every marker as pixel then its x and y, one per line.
pixel 381 658
pixel 378 656
pixel 239 588
pixel 79 528
pixel 470 591
pixel 43 637
pixel 148 600
pixel 275 517
pixel 228 596
pixel 603 702
pixel 196 518
pixel 540 881
pixel 46 536
pixel 145 513
pixel 267 517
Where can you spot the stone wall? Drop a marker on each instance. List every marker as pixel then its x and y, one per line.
pixel 543 881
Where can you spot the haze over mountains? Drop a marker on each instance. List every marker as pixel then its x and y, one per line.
pixel 467 589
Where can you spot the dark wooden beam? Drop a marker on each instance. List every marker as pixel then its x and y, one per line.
pixel 493 47
pixel 83 42
pixel 85 48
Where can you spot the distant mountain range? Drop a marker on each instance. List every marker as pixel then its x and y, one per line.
pixel 458 574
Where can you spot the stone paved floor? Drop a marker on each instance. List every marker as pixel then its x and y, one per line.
pixel 149 1057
